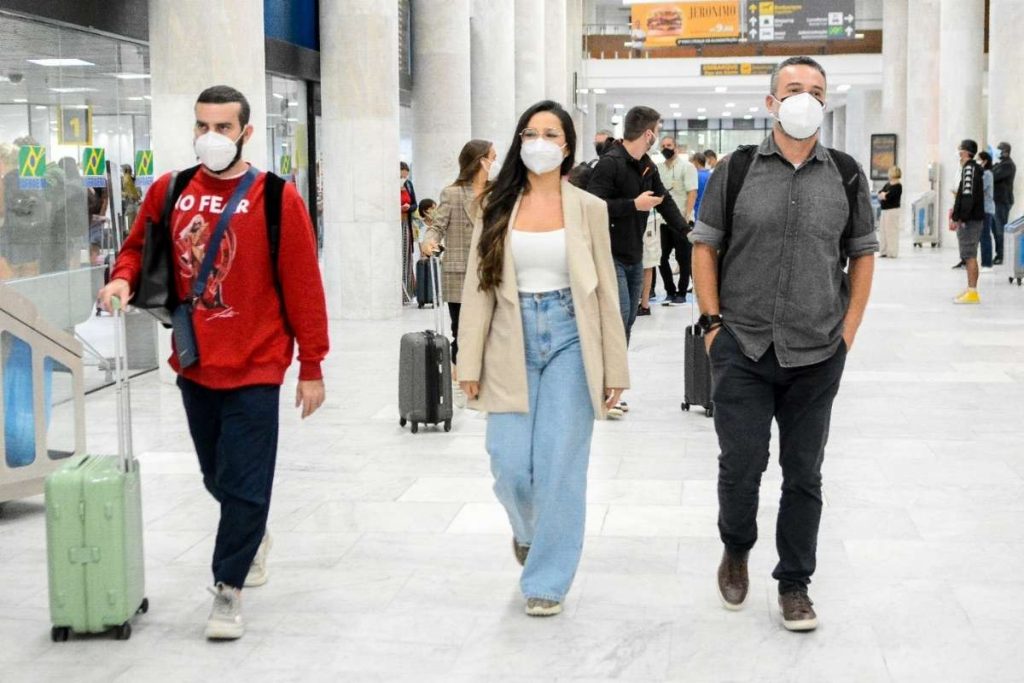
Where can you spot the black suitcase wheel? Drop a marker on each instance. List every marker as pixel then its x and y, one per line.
pixel 402 422
pixel 709 412
pixel 60 634
pixel 1011 279
pixel 447 425
pixel 144 607
pixel 415 427
pixel 123 632
pixel 419 305
pixel 686 407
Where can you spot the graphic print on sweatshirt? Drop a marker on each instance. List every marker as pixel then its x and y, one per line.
pixel 191 239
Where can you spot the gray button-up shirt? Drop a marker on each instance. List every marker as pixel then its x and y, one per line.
pixel 783 278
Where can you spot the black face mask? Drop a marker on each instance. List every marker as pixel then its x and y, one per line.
pixel 668 152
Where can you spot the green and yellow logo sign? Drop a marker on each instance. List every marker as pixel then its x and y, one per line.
pixel 94 166
pixel 286 164
pixel 32 167
pixel 144 167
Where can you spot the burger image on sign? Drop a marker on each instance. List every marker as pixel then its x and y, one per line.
pixel 665 22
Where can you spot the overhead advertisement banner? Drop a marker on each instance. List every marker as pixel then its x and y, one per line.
pixel 795 20
pixel 741 69
pixel 668 24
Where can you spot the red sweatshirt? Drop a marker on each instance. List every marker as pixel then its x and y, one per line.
pixel 242 335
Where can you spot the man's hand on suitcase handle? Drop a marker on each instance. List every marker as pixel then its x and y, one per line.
pixel 471 389
pixel 115 288
pixel 310 395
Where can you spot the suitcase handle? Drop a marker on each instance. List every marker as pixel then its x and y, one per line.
pixel 121 384
pixel 434 272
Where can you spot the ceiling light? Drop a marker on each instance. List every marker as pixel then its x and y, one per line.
pixel 726 113
pixel 279 96
pixel 60 62
pixel 702 118
pixel 136 99
pixel 754 109
pixel 147 97
pixel 701 110
pixel 843 88
pixel 584 91
pixel 73 90
pixel 20 100
pixel 618 106
pixel 41 106
pixel 721 88
pixel 130 76
pixel 292 120
pixel 748 116
pixel 600 91
pixel 730 105
pixel 293 103
pixel 674 105
pixel 677 114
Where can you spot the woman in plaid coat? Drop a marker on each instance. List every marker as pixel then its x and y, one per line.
pixel 453 225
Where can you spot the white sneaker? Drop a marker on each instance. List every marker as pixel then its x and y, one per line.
pixel 225 622
pixel 615 413
pixel 257 575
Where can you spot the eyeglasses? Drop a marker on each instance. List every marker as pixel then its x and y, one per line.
pixel 552 134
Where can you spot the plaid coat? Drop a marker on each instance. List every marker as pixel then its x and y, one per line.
pixel 453 227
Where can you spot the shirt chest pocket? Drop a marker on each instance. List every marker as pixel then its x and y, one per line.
pixel 824 217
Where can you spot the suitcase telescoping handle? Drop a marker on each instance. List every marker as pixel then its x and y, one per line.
pixel 124 403
pixel 435 285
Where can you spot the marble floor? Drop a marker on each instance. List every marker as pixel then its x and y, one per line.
pixel 392 559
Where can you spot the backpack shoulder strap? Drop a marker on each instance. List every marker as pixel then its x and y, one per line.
pixel 739 164
pixel 179 181
pixel 273 193
pixel 850 173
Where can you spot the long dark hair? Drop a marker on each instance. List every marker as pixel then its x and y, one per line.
pixel 499 199
pixel 470 159
pixel 986 160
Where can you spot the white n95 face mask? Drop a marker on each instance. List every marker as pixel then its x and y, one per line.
pixel 493 170
pixel 218 152
pixel 541 156
pixel 800 115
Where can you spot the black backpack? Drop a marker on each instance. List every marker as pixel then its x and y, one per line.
pixel 739 165
pixel 273 192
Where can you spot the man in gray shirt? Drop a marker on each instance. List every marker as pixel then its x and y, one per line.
pixel 780 311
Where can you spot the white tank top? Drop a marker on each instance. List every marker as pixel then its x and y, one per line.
pixel 540 258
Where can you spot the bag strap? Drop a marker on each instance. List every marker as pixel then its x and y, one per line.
pixel 179 181
pixel 273 194
pixel 739 165
pixel 850 172
pixel 213 246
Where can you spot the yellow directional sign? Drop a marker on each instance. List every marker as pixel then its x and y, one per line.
pixel 75 126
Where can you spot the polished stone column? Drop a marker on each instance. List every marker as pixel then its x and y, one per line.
pixel 556 65
pixel 922 123
pixel 1005 91
pixel 826 129
pixel 894 73
pixel 863 118
pixel 961 72
pixel 493 72
pixel 441 92
pixel 362 256
pixel 839 128
pixel 530 52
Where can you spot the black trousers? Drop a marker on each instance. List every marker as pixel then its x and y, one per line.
pixel 235 436
pixel 670 241
pixel 454 309
pixel 747 395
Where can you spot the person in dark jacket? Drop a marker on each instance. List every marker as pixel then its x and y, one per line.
pixel 889 229
pixel 1003 175
pixel 969 217
pixel 628 180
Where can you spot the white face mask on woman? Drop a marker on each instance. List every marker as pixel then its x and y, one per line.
pixel 541 156
pixel 800 115
pixel 493 169
pixel 218 152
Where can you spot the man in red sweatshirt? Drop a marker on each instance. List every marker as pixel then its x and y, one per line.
pixel 246 323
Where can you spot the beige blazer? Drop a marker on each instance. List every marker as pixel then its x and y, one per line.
pixel 453 227
pixel 491 346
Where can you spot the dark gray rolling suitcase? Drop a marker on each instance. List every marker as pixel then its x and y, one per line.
pixel 425 368
pixel 697 372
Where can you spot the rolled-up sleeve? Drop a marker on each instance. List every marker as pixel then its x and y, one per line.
pixel 710 226
pixel 863 239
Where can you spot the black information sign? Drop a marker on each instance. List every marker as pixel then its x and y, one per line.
pixel 795 20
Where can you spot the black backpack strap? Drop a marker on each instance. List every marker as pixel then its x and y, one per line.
pixel 179 181
pixel 739 164
pixel 273 193
pixel 850 173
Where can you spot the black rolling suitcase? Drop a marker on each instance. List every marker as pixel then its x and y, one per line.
pixel 425 366
pixel 697 372
pixel 424 283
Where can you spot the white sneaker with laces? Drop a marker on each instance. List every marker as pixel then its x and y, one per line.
pixel 225 622
pixel 258 574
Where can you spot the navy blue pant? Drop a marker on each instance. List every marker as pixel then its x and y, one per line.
pixel 235 435
pixel 747 396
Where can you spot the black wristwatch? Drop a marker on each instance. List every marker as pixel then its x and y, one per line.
pixel 706 323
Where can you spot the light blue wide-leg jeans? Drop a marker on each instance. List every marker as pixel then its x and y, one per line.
pixel 539 459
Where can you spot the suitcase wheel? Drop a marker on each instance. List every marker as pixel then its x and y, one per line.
pixel 419 305
pixel 123 632
pixel 1011 279
pixel 60 634
pixel 447 425
pixel 402 422
pixel 685 406
pixel 144 607
pixel 709 412
pixel 1019 281
pixel 415 427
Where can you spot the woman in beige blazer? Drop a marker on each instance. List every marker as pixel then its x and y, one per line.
pixel 543 349
pixel 454 227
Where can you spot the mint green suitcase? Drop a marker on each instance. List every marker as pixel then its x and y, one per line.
pixel 94 531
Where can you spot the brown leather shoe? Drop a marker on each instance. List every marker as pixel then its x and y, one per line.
pixel 798 611
pixel 733 581
pixel 521 551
